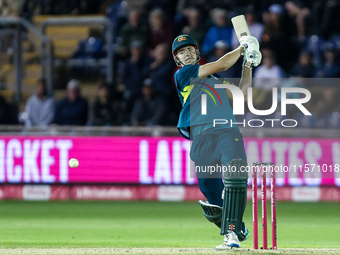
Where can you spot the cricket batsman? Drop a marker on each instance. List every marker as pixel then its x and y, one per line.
pixel 216 145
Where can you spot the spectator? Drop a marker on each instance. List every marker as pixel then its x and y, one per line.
pixel 195 28
pixel 132 31
pixel 243 6
pixel 184 7
pixel 300 12
pixel 102 108
pixel 134 71
pixel 39 110
pixel 268 69
pixel 272 21
pixel 168 7
pixel 220 31
pixel 277 30
pixel 330 69
pixel 88 48
pixel 326 19
pixel 255 28
pixel 204 6
pixel 220 49
pixel 304 68
pixel 149 110
pixel 161 70
pixel 73 109
pixel 117 13
pixel 106 112
pixel 160 30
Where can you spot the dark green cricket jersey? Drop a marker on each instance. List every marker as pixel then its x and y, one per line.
pixel 190 92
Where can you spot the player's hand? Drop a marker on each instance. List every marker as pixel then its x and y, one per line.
pixel 252 54
pixel 250 42
pixel 252 58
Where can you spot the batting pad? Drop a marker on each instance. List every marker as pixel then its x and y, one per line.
pixel 235 198
pixel 213 213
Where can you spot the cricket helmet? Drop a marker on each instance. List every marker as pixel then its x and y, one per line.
pixel 183 41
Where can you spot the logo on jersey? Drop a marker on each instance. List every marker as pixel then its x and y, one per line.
pixel 181 38
pixel 186 92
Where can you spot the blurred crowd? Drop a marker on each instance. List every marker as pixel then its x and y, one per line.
pixel 299 39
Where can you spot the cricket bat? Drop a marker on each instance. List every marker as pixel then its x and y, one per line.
pixel 241 27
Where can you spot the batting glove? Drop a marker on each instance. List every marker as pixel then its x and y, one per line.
pixel 250 42
pixel 252 54
pixel 252 58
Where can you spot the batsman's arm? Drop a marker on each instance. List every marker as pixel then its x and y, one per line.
pixel 224 63
pixel 246 81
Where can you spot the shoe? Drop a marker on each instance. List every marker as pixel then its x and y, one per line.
pixel 230 242
pixel 244 233
pixel 243 236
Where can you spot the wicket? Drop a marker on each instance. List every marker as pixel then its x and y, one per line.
pixel 266 165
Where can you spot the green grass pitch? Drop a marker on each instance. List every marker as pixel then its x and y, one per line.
pixel 153 224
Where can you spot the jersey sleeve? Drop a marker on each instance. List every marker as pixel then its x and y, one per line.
pixel 183 75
